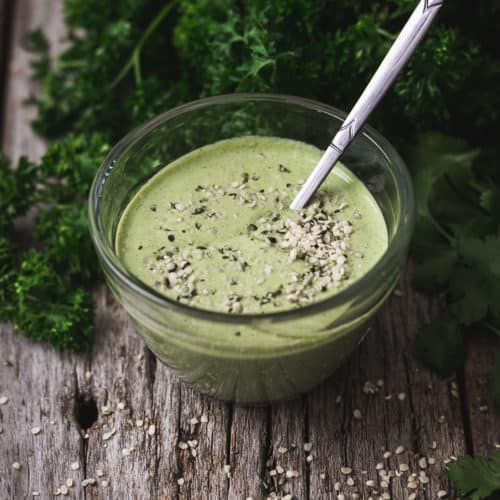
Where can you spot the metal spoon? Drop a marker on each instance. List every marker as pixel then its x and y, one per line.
pixel 401 50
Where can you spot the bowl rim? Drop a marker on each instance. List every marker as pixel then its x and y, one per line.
pixel 400 239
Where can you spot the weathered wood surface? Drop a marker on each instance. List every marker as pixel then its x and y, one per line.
pixel 67 395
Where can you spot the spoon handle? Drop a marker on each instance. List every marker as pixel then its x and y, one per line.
pixel 399 53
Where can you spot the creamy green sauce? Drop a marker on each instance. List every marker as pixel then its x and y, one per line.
pixel 210 229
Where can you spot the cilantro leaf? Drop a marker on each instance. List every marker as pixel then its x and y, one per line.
pixel 433 274
pixel 474 477
pixel 434 157
pixel 440 345
pixel 474 286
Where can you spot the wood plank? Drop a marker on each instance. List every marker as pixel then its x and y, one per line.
pixel 39 383
pixel 249 450
pixel 119 372
pixel 18 139
pixel 5 37
pixel 484 421
pixel 340 440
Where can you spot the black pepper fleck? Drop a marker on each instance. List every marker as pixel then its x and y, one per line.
pixel 199 210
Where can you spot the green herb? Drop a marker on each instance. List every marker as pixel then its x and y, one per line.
pixel 476 478
pixel 457 246
pixel 41 291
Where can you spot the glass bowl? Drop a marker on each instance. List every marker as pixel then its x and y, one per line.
pixel 282 354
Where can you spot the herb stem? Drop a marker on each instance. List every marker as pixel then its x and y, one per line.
pixel 440 229
pixel 491 327
pixel 134 60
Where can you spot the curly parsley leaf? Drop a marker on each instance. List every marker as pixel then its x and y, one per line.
pixel 49 307
pixel 476 478
pixel 41 290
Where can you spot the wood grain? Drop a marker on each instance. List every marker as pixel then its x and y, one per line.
pixel 484 423
pixel 125 418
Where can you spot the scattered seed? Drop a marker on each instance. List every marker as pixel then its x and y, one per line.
pixel 36 430
pixel 75 466
pixel 282 450
pixel 151 430
pixel 64 490
pixel 307 447
pixel 442 494
pixel 203 419
pixel 139 423
pixel 108 435
pixel 422 463
pixel 16 466
pixel 357 414
pixel 387 454
pixel 404 467
pixel 399 450
pixel 121 405
pixel 350 481
pixel 346 470
pixel 401 396
pixel 4 400
pixel 35 493
pixel 70 483
pixel 180 481
pixel 106 410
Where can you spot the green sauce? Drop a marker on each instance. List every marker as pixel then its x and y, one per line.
pixel 222 211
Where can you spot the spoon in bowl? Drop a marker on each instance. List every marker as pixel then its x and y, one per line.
pixel 394 61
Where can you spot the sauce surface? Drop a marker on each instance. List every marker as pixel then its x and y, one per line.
pixel 213 228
